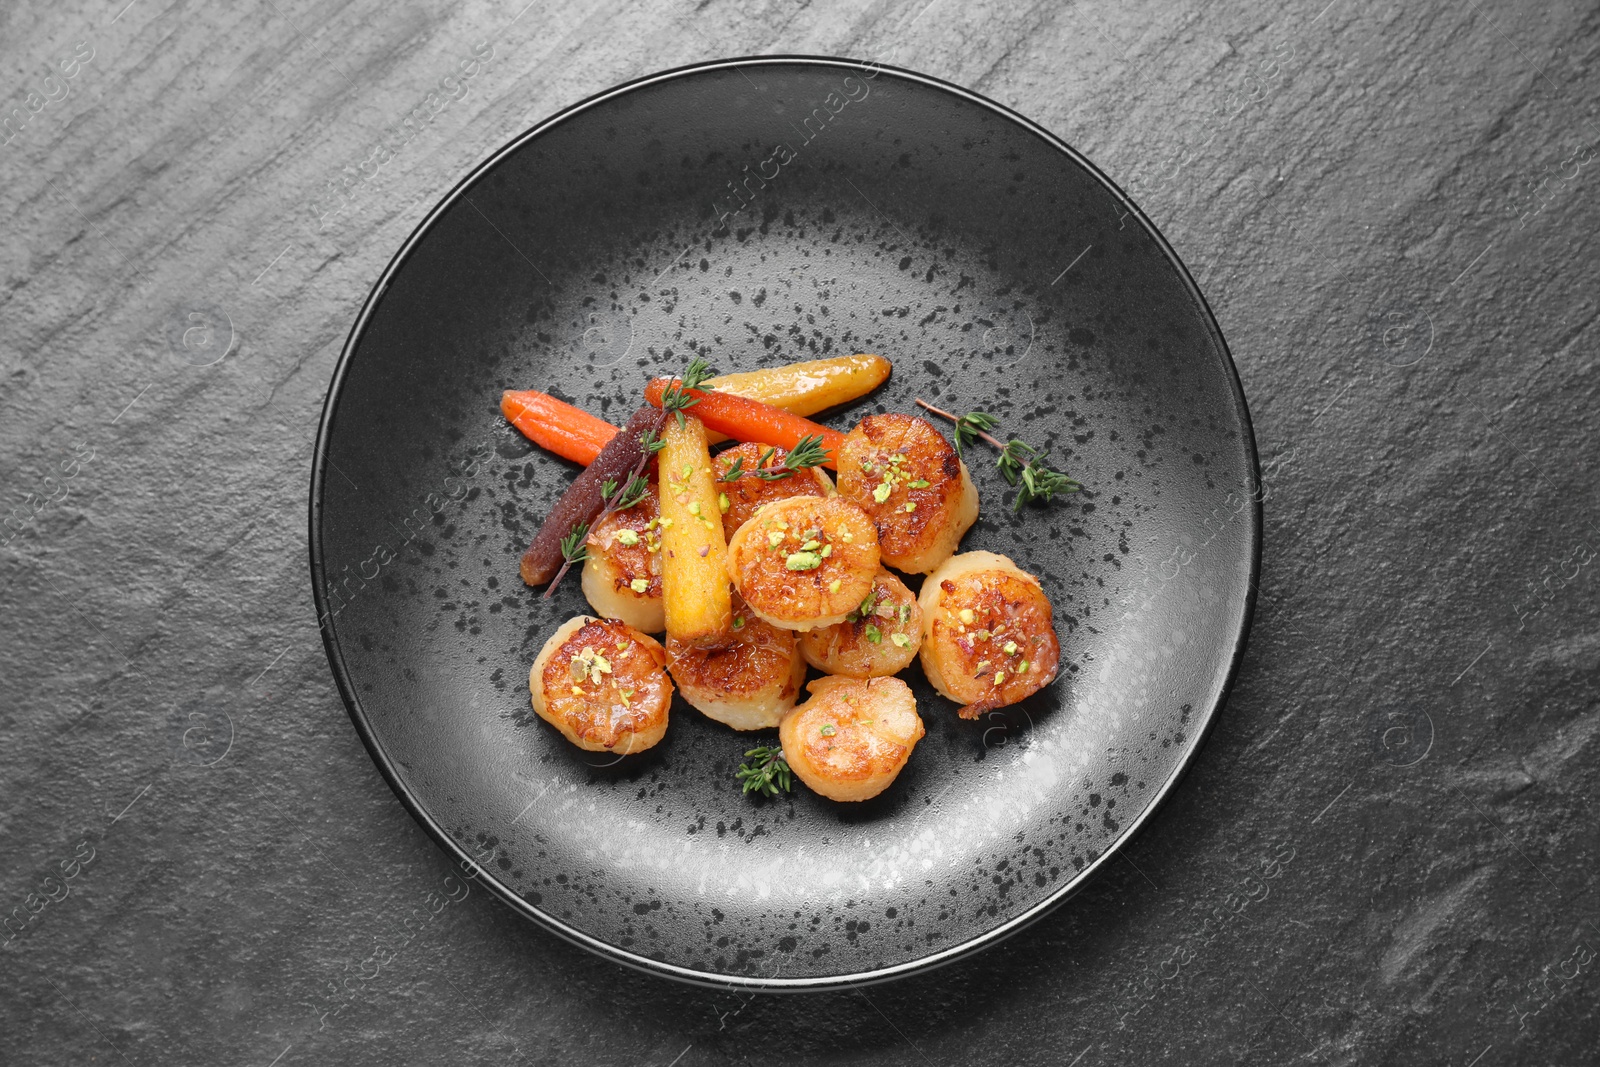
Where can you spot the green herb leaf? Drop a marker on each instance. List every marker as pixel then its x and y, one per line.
pixel 1041 483
pixel 765 771
pixel 1020 463
pixel 807 452
pixel 675 399
pixel 632 493
pixel 970 425
pixel 574 547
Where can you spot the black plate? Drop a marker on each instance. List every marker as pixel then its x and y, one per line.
pixel 998 270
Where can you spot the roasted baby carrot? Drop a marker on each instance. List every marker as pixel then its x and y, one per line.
pixel 803 388
pixel 694 571
pixel 582 501
pixel 569 432
pixel 810 386
pixel 751 420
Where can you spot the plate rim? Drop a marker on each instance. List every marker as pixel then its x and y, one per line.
pixel 604 949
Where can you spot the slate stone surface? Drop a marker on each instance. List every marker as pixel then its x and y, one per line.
pixel 1383 853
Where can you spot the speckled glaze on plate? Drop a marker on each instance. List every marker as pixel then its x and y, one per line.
pixel 756 212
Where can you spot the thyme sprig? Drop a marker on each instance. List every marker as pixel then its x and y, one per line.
pixel 765 771
pixel 807 452
pixel 574 546
pixel 1020 463
pixel 675 399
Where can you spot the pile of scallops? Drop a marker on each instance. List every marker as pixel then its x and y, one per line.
pixel 801 571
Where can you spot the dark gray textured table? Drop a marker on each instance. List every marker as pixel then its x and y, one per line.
pixel 1383 853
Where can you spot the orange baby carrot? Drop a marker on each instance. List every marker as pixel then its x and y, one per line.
pixel 569 432
pixel 751 420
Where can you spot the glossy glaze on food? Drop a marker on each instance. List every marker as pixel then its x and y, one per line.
pixel 904 474
pixel 603 684
pixel 878 639
pixel 850 740
pixel 749 681
pixel 749 491
pixel 804 562
pixel 989 639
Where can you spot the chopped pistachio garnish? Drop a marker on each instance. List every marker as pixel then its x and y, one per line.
pixel 626 694
pixel 627 537
pixel 881 493
pixel 738 622
pixel 846 536
pixel 900 640
pixel 723 503
pixel 983 665
pixel 811 546
pixel 828 729
pixel 666 523
pixel 577 690
pixel 1022 668
pixel 874 634
pixel 999 676
pixel 694 507
pixel 833 586
pixel 1009 648
pixel 827 550
pixel 803 561
pixel 688 469
pixel 774 538
pixel 639 585
pixel 967 616
pixel 920 483
pixel 911 505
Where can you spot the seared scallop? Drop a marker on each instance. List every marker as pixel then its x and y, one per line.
pixel 749 682
pixel 879 638
pixel 988 637
pixel 743 494
pixel 902 472
pixel 622 566
pixel 852 737
pixel 603 685
pixel 804 562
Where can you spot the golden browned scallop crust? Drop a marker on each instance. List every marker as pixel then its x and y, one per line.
pixel 850 740
pixel 878 639
pixel 805 561
pixel 902 472
pixel 603 684
pixel 622 566
pixel 748 492
pixel 749 681
pixel 989 639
